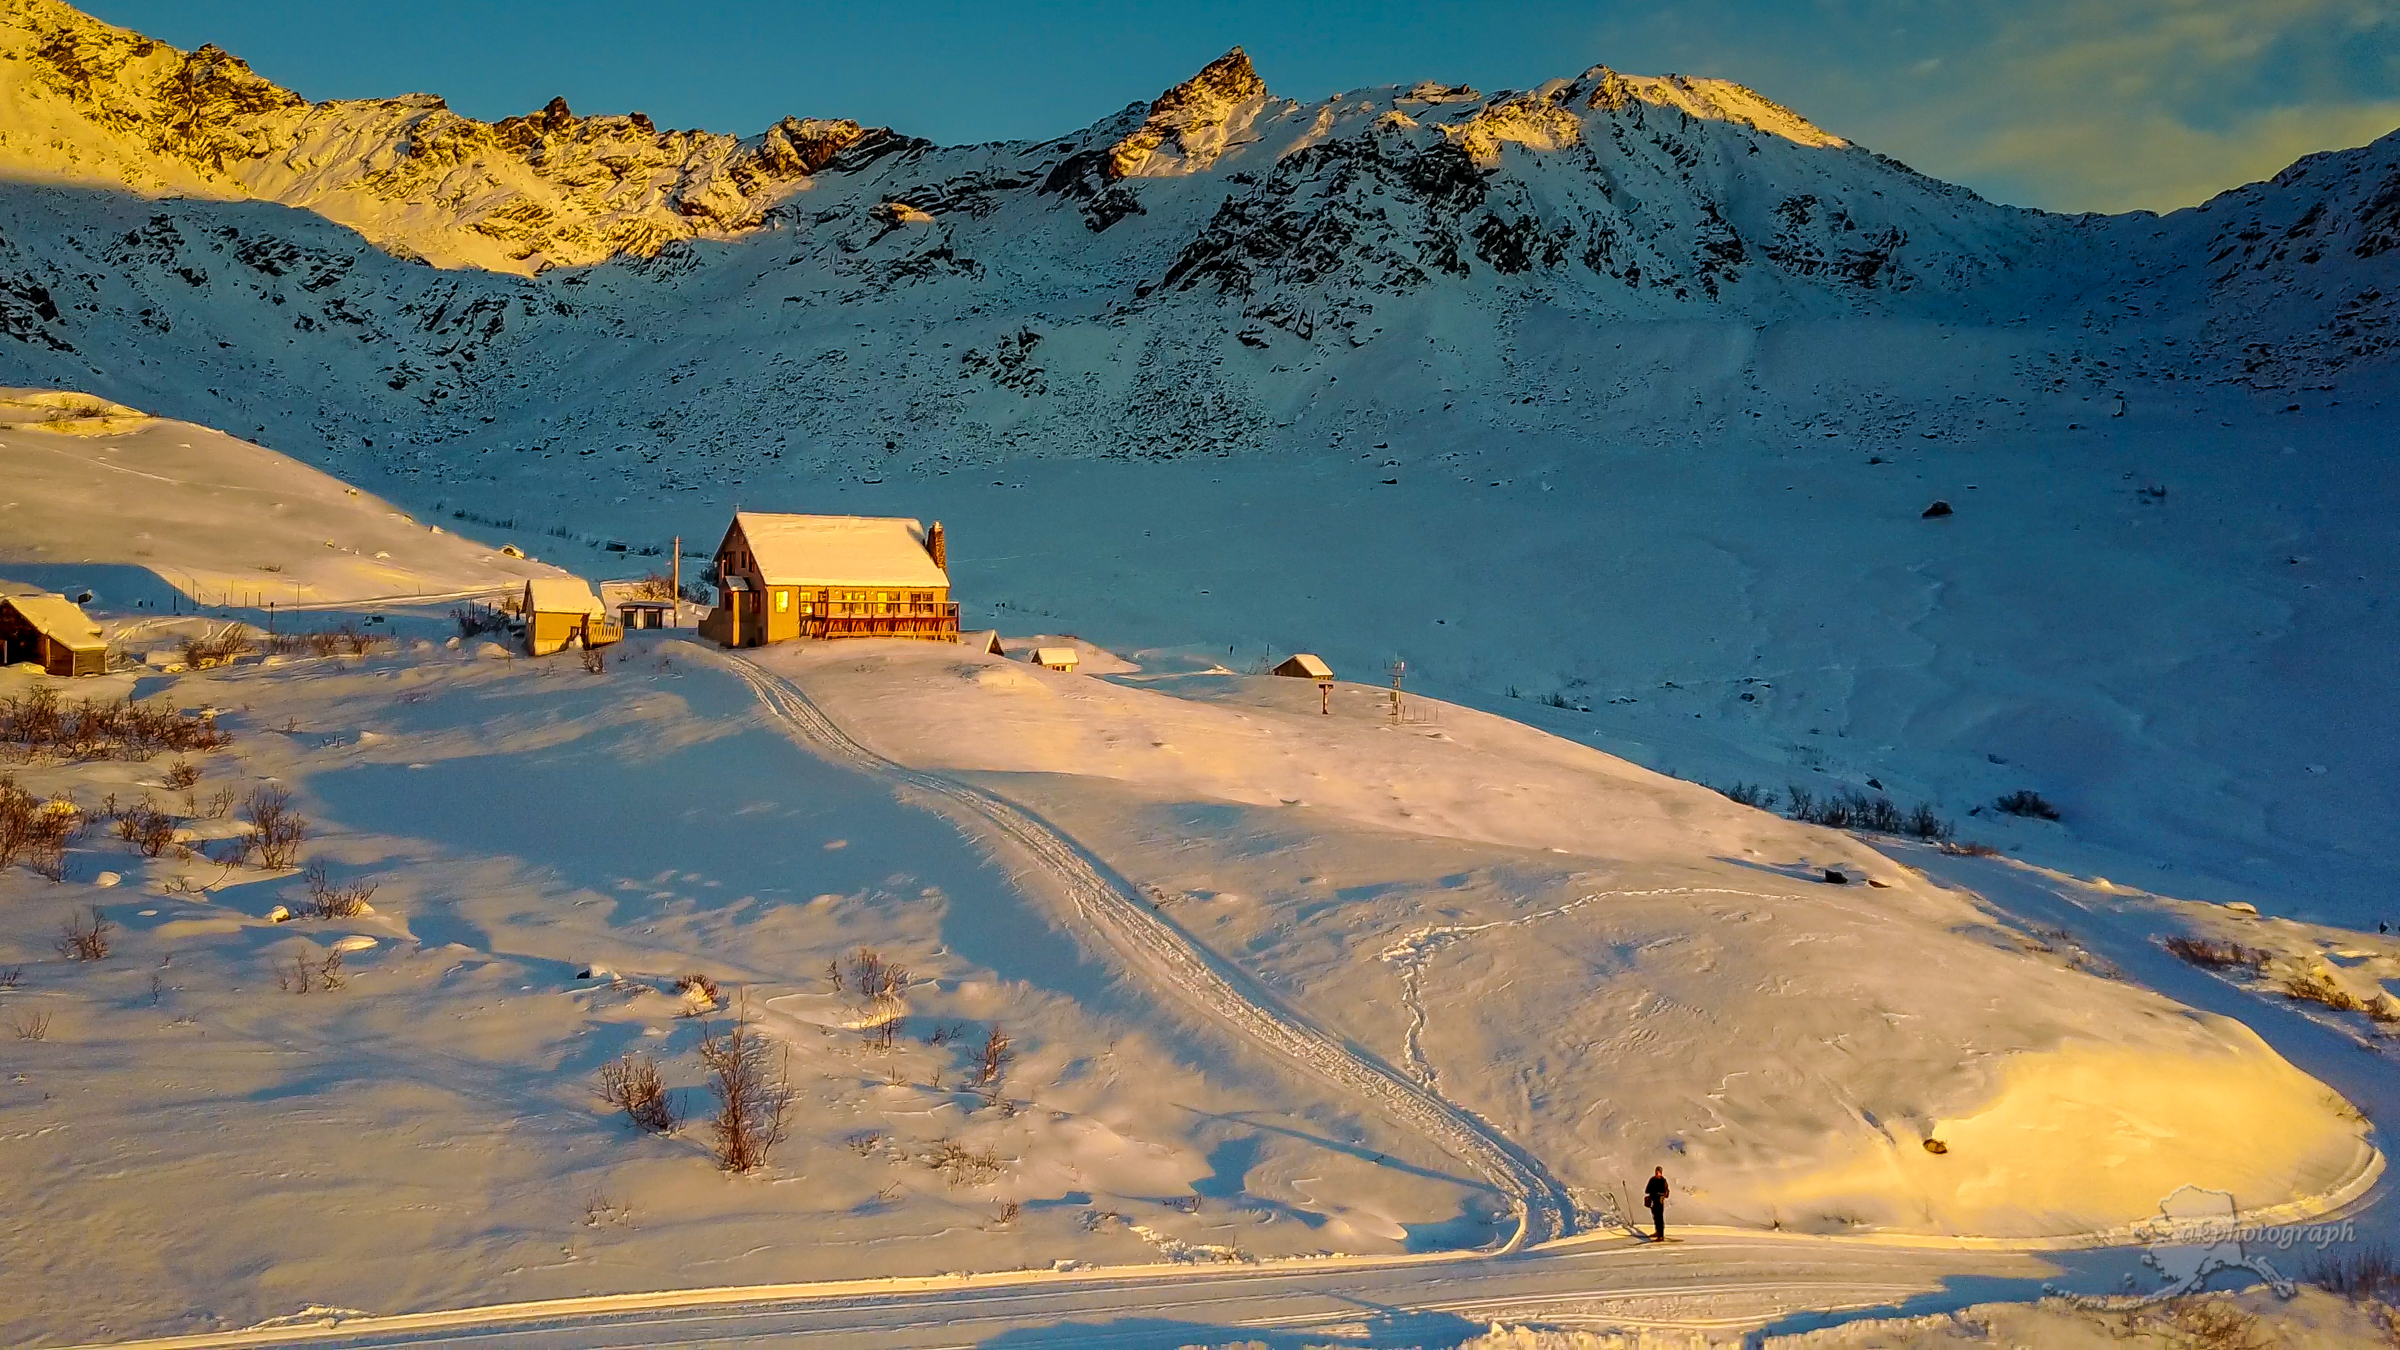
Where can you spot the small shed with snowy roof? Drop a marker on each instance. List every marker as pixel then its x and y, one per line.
pixel 782 577
pixel 560 611
pixel 1056 658
pixel 52 632
pixel 1305 666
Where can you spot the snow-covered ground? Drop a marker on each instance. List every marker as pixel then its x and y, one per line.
pixel 147 513
pixel 551 849
pixel 1613 407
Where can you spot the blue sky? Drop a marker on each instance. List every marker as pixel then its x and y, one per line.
pixel 2066 104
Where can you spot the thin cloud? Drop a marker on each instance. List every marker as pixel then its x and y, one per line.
pixel 2069 104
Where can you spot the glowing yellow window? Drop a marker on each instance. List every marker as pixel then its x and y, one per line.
pixel 783 601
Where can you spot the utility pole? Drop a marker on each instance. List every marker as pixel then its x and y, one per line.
pixel 675 573
pixel 1399 669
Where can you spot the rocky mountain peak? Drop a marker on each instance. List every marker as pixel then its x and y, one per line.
pixel 1190 125
pixel 105 106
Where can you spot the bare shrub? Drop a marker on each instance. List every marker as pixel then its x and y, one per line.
pixel 183 775
pixel 1850 809
pixel 328 901
pixel 229 644
pixel 1970 849
pixel 698 988
pixel 85 938
pixel 347 640
pixel 1749 794
pixel 34 1027
pixel 654 586
pixel 878 982
pixel 991 1066
pixel 752 1085
pixel 39 723
pixel 2358 1273
pixel 147 828
pixel 595 659
pixel 2310 986
pixel 2216 955
pixel 960 1165
pixel 477 620
pixel 10 977
pixel 1007 1213
pixel 632 1084
pixel 218 806
pixel 275 833
pixel 2027 803
pixel 37 832
pixel 303 975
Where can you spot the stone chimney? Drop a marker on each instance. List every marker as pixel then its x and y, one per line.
pixel 939 547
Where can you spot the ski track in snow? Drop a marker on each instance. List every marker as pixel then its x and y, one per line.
pixel 1543 1206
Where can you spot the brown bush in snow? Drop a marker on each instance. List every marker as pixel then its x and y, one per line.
pixel 37 832
pixel 2216 955
pixel 632 1084
pixel 275 833
pixel 86 938
pixel 991 1067
pixel 2358 1273
pixel 39 723
pixel 147 828
pixel 2027 803
pixel 328 901
pixel 751 1081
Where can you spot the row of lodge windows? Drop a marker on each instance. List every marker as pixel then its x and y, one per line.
pixel 814 596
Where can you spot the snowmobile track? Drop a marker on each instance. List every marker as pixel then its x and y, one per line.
pixel 1544 1208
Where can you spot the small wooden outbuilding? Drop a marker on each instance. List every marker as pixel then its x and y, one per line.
pixel 646 613
pixel 52 631
pixel 1304 666
pixel 985 640
pixel 562 611
pixel 1056 658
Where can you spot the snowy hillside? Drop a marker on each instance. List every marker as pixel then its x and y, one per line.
pixel 99 498
pixel 1625 391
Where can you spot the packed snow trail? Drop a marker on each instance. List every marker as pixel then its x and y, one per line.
pixel 1543 1206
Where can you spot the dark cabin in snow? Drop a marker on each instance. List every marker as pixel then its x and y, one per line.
pixel 53 632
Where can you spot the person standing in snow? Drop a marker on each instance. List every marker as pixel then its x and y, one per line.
pixel 1655 1196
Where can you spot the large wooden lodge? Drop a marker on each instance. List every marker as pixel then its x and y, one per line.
pixel 781 577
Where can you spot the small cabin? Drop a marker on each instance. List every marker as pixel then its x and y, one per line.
pixel 53 632
pixel 783 577
pixel 1056 658
pixel 646 614
pixel 984 640
pixel 561 612
pixel 1304 666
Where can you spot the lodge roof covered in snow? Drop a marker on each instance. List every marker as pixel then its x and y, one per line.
pixel 839 550
pixel 58 618
pixel 560 595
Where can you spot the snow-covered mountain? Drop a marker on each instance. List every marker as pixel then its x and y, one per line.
pixel 1610 388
